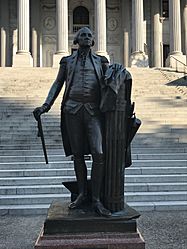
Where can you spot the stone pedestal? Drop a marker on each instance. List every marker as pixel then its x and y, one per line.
pixel 82 228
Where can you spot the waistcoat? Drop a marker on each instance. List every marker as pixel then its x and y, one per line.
pixel 85 87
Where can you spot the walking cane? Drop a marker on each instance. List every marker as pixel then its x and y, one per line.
pixel 40 134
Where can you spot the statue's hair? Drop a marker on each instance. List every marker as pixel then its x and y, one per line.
pixel 75 41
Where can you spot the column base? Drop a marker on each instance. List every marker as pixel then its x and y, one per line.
pixel 139 59
pixel 22 60
pixel 176 61
pixel 57 57
pixel 103 53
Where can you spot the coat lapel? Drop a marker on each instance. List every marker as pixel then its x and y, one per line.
pixel 97 65
pixel 70 72
pixel 72 66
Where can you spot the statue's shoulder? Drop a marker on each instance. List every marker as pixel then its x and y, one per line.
pixel 103 59
pixel 65 59
pixel 128 75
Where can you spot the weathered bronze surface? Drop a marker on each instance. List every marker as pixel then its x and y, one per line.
pixel 62 220
pixel 97 119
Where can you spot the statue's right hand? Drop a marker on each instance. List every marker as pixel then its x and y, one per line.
pixel 40 110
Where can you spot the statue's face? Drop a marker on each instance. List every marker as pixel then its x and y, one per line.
pixel 85 38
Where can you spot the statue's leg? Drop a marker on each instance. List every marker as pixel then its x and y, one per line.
pixel 81 175
pixel 76 134
pixel 94 131
pixel 97 181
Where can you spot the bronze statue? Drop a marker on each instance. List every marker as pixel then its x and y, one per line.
pixel 81 123
pixel 96 113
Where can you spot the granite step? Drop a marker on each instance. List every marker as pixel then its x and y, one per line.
pixel 8 181
pixel 33 140
pixel 152 170
pixel 129 197
pixel 139 206
pixel 67 171
pixel 141 138
pixel 135 151
pixel 69 164
pixel 38 157
pixel 53 131
pixel 13 134
pixel 59 188
pixel 150 147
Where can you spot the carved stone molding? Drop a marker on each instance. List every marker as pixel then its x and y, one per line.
pixel 49 7
pixel 49 23
pixel 112 24
pixel 49 39
pixel 113 8
pixel 113 39
pixel 74 3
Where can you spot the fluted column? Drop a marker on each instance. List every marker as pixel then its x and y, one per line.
pixel 138 26
pixel 126 35
pixel 138 58
pixel 3 47
pixel 185 28
pixel 62 31
pixel 4 34
pixel 34 47
pixel 23 57
pixel 175 56
pixel 175 26
pixel 100 24
pixel 156 34
pixel 23 26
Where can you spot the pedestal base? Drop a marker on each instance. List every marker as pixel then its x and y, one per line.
pixel 91 241
pixel 139 59
pixel 22 60
pixel 57 58
pixel 82 229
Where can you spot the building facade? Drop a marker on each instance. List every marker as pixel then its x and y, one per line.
pixel 143 33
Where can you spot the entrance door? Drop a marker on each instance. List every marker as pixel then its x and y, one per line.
pixel 166 50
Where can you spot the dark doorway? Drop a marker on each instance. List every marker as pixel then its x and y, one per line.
pixel 166 51
pixel 80 18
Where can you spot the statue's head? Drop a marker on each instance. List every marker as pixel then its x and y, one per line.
pixel 84 38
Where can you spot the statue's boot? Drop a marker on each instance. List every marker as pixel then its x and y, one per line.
pixel 97 181
pixel 81 175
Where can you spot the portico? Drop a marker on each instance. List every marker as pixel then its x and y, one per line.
pixel 130 32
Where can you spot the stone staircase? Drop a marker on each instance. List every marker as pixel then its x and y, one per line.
pixel 157 180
